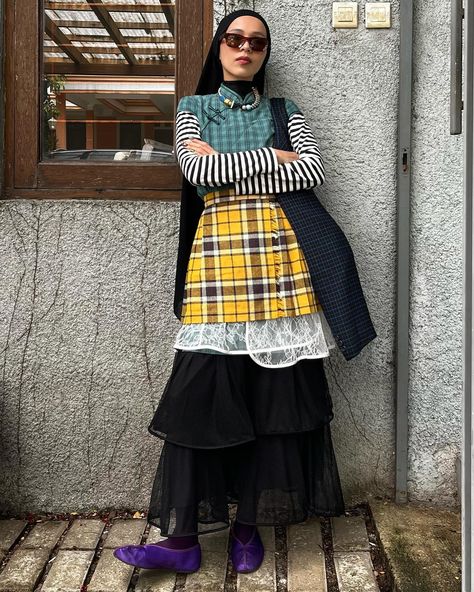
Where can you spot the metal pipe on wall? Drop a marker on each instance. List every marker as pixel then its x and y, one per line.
pixel 456 105
pixel 2 95
pixel 468 292
pixel 403 248
pixel 465 59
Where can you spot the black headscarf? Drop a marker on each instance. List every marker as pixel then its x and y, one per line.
pixel 191 204
pixel 212 75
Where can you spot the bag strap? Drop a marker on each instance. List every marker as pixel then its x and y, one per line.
pixel 281 139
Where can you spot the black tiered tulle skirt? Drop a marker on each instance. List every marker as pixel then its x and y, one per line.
pixel 236 432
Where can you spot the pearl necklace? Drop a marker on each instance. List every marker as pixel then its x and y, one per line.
pixel 230 103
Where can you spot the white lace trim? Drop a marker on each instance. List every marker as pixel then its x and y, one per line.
pixel 273 342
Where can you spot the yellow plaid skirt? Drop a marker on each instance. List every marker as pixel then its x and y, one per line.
pixel 245 263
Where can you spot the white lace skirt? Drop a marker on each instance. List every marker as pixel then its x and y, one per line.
pixel 271 343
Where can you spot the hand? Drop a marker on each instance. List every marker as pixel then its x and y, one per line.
pixel 200 147
pixel 283 156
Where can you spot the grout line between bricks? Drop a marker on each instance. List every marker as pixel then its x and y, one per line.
pixel 385 581
pixel 328 548
pixel 230 580
pixel 180 583
pixel 23 534
pixel 136 571
pixel 98 549
pixel 281 558
pixel 53 554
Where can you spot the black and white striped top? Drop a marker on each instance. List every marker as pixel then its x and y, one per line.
pixel 252 171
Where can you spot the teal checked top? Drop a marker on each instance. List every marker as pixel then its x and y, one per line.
pixel 246 161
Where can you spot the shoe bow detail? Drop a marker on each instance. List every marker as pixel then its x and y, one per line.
pixel 247 557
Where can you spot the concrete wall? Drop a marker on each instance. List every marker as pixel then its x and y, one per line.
pixel 2 99
pixel 436 271
pixel 86 323
pixel 86 333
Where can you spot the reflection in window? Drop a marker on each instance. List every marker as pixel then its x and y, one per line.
pixel 108 80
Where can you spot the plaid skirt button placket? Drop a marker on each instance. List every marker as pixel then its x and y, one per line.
pixel 277 255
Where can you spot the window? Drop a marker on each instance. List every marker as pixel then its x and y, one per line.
pixel 92 87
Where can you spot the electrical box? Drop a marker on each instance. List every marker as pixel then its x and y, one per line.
pixel 344 15
pixel 377 15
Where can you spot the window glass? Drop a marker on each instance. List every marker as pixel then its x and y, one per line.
pixel 108 80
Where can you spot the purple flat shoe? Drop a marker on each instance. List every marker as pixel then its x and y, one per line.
pixel 249 556
pixel 156 557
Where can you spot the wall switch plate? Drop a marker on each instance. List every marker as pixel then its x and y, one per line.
pixel 377 15
pixel 344 15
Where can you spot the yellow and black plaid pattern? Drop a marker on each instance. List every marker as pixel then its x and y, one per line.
pixel 245 263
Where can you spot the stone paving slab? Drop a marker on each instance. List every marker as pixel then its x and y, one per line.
pixel 267 534
pixel 83 535
pixel 215 541
pixel 211 576
pixel 306 572
pixel 155 580
pixel 10 530
pixel 45 535
pixel 111 574
pixel 349 534
pixel 306 563
pixel 23 570
pixel 306 535
pixel 68 571
pixel 355 572
pixel 262 580
pixel 125 532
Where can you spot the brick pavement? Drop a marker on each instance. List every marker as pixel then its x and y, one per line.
pixel 76 556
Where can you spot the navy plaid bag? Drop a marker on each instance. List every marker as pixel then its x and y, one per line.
pixel 328 254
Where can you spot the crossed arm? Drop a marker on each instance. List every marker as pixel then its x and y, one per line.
pixel 253 171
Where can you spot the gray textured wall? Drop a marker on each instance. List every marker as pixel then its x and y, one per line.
pixel 436 271
pixel 2 98
pixel 86 334
pixel 86 324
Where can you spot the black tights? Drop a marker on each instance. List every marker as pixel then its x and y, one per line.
pixel 242 531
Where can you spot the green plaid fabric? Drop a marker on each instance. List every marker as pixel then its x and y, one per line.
pixel 232 130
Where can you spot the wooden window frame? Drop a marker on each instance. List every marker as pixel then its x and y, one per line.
pixel 26 176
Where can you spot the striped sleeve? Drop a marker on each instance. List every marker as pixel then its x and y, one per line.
pixel 306 172
pixel 214 170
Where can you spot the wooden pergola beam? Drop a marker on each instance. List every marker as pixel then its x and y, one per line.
pixel 63 42
pixel 116 50
pixel 168 11
pixel 57 5
pixel 113 30
pixel 160 69
pixel 99 38
pixel 119 25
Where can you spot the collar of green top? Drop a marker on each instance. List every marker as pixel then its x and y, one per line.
pixel 228 93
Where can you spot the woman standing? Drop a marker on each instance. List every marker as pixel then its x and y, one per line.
pixel 246 411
